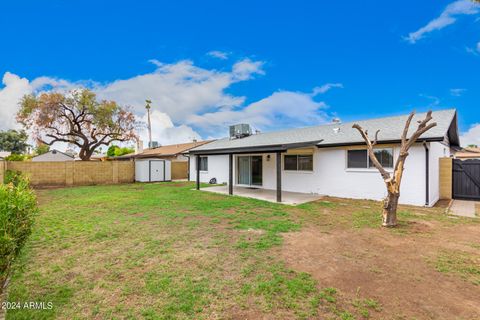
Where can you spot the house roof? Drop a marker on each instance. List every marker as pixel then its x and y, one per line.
pixel 54 151
pixel 165 151
pixel 4 154
pixel 468 153
pixel 337 134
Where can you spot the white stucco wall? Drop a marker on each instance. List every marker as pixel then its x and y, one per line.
pixel 331 177
pixel 217 168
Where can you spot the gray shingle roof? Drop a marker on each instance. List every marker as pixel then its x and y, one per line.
pixel 390 128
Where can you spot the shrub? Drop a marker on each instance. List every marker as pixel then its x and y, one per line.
pixel 14 177
pixel 18 207
pixel 16 157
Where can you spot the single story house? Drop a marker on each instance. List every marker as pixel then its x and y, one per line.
pixel 54 155
pixel 330 159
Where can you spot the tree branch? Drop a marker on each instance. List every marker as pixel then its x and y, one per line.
pixel 376 163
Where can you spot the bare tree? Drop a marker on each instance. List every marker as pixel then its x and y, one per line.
pixel 76 118
pixel 393 182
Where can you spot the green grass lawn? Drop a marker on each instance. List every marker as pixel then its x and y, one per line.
pixel 165 251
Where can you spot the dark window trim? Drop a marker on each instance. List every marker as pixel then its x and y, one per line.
pixel 200 163
pixel 297 155
pixel 368 167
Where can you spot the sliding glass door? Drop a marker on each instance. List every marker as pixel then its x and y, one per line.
pixel 249 170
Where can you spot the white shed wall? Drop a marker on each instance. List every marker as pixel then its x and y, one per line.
pixel 142 169
pixel 217 168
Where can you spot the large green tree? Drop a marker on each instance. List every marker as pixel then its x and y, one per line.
pixel 77 118
pixel 13 141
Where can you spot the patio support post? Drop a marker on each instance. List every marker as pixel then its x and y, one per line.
pixel 230 174
pixel 197 167
pixel 279 176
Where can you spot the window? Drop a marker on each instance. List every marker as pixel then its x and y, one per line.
pixel 361 159
pixel 298 163
pixel 203 163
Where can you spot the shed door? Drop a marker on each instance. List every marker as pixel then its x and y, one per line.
pixel 157 170
pixel 466 179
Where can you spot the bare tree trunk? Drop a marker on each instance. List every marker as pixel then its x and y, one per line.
pixel 393 182
pixel 389 213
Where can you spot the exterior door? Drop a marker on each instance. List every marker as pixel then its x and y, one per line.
pixel 157 170
pixel 249 170
pixel 466 179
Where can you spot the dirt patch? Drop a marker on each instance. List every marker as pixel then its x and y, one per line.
pixel 392 268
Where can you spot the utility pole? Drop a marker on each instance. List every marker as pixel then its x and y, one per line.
pixel 147 106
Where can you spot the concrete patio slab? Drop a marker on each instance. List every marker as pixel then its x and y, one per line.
pixel 464 208
pixel 291 198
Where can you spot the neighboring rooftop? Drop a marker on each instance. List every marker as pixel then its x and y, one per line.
pixel 467 153
pixel 335 134
pixel 4 154
pixel 166 151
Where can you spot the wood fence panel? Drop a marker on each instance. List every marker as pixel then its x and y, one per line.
pixel 179 170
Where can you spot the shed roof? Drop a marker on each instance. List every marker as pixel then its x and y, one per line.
pixel 335 134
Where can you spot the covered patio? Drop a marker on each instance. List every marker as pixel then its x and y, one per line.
pixel 291 198
pixel 251 190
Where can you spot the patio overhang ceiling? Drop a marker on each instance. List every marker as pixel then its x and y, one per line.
pixel 257 149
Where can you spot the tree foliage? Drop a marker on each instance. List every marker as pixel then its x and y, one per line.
pixel 41 149
pixel 76 118
pixel 13 141
pixel 116 151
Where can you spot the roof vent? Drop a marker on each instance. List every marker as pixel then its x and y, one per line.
pixel 240 130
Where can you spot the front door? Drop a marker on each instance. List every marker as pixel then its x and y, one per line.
pixel 249 170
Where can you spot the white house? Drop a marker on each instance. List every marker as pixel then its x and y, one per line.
pixel 54 155
pixel 330 159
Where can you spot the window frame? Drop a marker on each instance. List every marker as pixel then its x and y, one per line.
pixel 297 156
pixel 200 164
pixel 368 167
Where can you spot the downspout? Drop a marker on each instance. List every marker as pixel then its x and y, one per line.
pixel 427 176
pixel 188 166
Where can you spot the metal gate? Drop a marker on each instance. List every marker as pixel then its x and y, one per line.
pixel 466 179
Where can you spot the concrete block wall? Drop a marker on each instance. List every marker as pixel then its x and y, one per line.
pixel 74 173
pixel 446 179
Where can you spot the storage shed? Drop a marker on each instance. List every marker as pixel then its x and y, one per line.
pixel 153 170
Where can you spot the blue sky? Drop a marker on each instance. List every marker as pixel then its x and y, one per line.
pixel 274 64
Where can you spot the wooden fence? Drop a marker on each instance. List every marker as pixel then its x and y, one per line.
pixel 73 173
pixel 179 170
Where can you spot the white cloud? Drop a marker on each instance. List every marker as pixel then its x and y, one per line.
pixel 222 55
pixel 165 132
pixel 14 89
pixel 186 100
pixel 472 136
pixel 457 92
pixel 246 69
pixel 181 88
pixel 446 18
pixel 326 87
pixel 280 110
